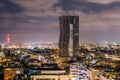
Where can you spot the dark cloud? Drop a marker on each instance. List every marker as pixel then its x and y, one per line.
pixel 37 20
pixel 85 6
pixel 10 7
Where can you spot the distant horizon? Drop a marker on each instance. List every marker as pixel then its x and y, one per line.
pixel 104 42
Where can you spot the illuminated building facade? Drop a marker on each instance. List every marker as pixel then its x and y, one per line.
pixel 78 71
pixel 69 36
pixel 51 75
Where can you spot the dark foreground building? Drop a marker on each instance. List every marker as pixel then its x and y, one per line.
pixel 69 36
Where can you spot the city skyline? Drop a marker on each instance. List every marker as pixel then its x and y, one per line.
pixel 23 19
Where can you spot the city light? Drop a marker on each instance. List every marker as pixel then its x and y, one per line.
pixel 59 39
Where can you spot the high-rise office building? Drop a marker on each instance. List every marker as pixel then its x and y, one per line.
pixel 69 36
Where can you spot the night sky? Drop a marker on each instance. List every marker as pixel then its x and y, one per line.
pixel 29 21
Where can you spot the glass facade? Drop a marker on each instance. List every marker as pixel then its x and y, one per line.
pixel 69 36
pixel 70 44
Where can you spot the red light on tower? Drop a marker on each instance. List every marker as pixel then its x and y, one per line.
pixel 8 38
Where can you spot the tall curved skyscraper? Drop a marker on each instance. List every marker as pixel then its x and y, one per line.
pixel 69 36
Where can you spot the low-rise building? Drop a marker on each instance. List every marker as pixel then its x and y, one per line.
pixel 78 71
